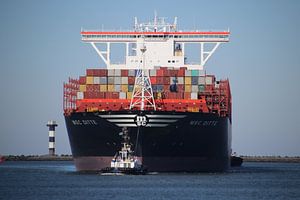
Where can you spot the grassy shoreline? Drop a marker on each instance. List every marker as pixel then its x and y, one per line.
pixel 293 159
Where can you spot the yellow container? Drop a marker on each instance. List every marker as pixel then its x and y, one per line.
pixel 188 80
pixel 89 80
pixel 159 95
pixel 82 88
pixel 110 88
pixel 103 88
pixel 129 94
pixel 187 88
pixel 193 109
pixel 124 88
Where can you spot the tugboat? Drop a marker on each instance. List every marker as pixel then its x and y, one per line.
pixel 125 162
pixel 235 160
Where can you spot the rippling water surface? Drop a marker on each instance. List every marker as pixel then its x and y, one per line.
pixel 59 180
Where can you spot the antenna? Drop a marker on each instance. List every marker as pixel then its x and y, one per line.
pixel 135 23
pixel 175 23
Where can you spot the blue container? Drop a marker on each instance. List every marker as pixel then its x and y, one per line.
pixel 195 80
pixel 103 80
pixel 154 88
pixel 160 88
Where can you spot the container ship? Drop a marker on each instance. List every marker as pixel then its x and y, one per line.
pixel 177 116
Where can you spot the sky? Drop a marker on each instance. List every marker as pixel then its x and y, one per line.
pixel 40 47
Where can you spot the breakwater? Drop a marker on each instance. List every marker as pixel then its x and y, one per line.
pixel 38 158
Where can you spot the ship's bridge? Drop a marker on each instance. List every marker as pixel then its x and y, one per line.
pixel 164 43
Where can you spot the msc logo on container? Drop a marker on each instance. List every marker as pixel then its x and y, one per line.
pixel 141 120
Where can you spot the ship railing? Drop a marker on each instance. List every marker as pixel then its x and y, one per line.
pixel 178 31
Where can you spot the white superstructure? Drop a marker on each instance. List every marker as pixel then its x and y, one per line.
pixel 165 44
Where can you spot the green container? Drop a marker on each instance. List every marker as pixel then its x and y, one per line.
pixel 195 72
pixel 130 88
pixel 201 88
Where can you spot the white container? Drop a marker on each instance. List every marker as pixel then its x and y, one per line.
pixel 111 80
pixel 152 72
pixel 180 80
pixel 131 72
pixel 117 80
pixel 117 88
pixel 117 72
pixel 202 72
pixel 209 80
pixel 188 72
pixel 122 95
pixel 195 88
pixel 80 95
pixel 124 80
pixel 194 95
pixel 96 80
pixel 201 80
pixel 110 72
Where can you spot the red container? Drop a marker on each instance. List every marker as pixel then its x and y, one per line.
pixel 90 72
pixel 124 72
pixel 166 72
pixel 165 95
pixel 112 95
pixel 131 80
pixel 82 80
pixel 153 79
pixel 89 95
pixel 181 72
pixel 180 88
pixel 95 72
pixel 115 95
pixel 108 95
pixel 159 80
pixel 92 88
pixel 102 72
pixel 159 72
pixel 166 87
pixel 166 80
pixel 101 95
pixel 173 72
pixel 179 95
pixel 187 95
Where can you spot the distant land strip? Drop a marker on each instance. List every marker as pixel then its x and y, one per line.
pixel 294 159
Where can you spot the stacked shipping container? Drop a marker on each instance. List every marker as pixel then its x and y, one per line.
pixel 173 89
pixel 167 83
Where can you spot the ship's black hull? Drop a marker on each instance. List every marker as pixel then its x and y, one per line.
pixel 169 141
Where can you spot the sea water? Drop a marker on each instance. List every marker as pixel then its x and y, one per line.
pixel 59 180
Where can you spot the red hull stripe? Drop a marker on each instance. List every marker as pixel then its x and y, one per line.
pixel 153 33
